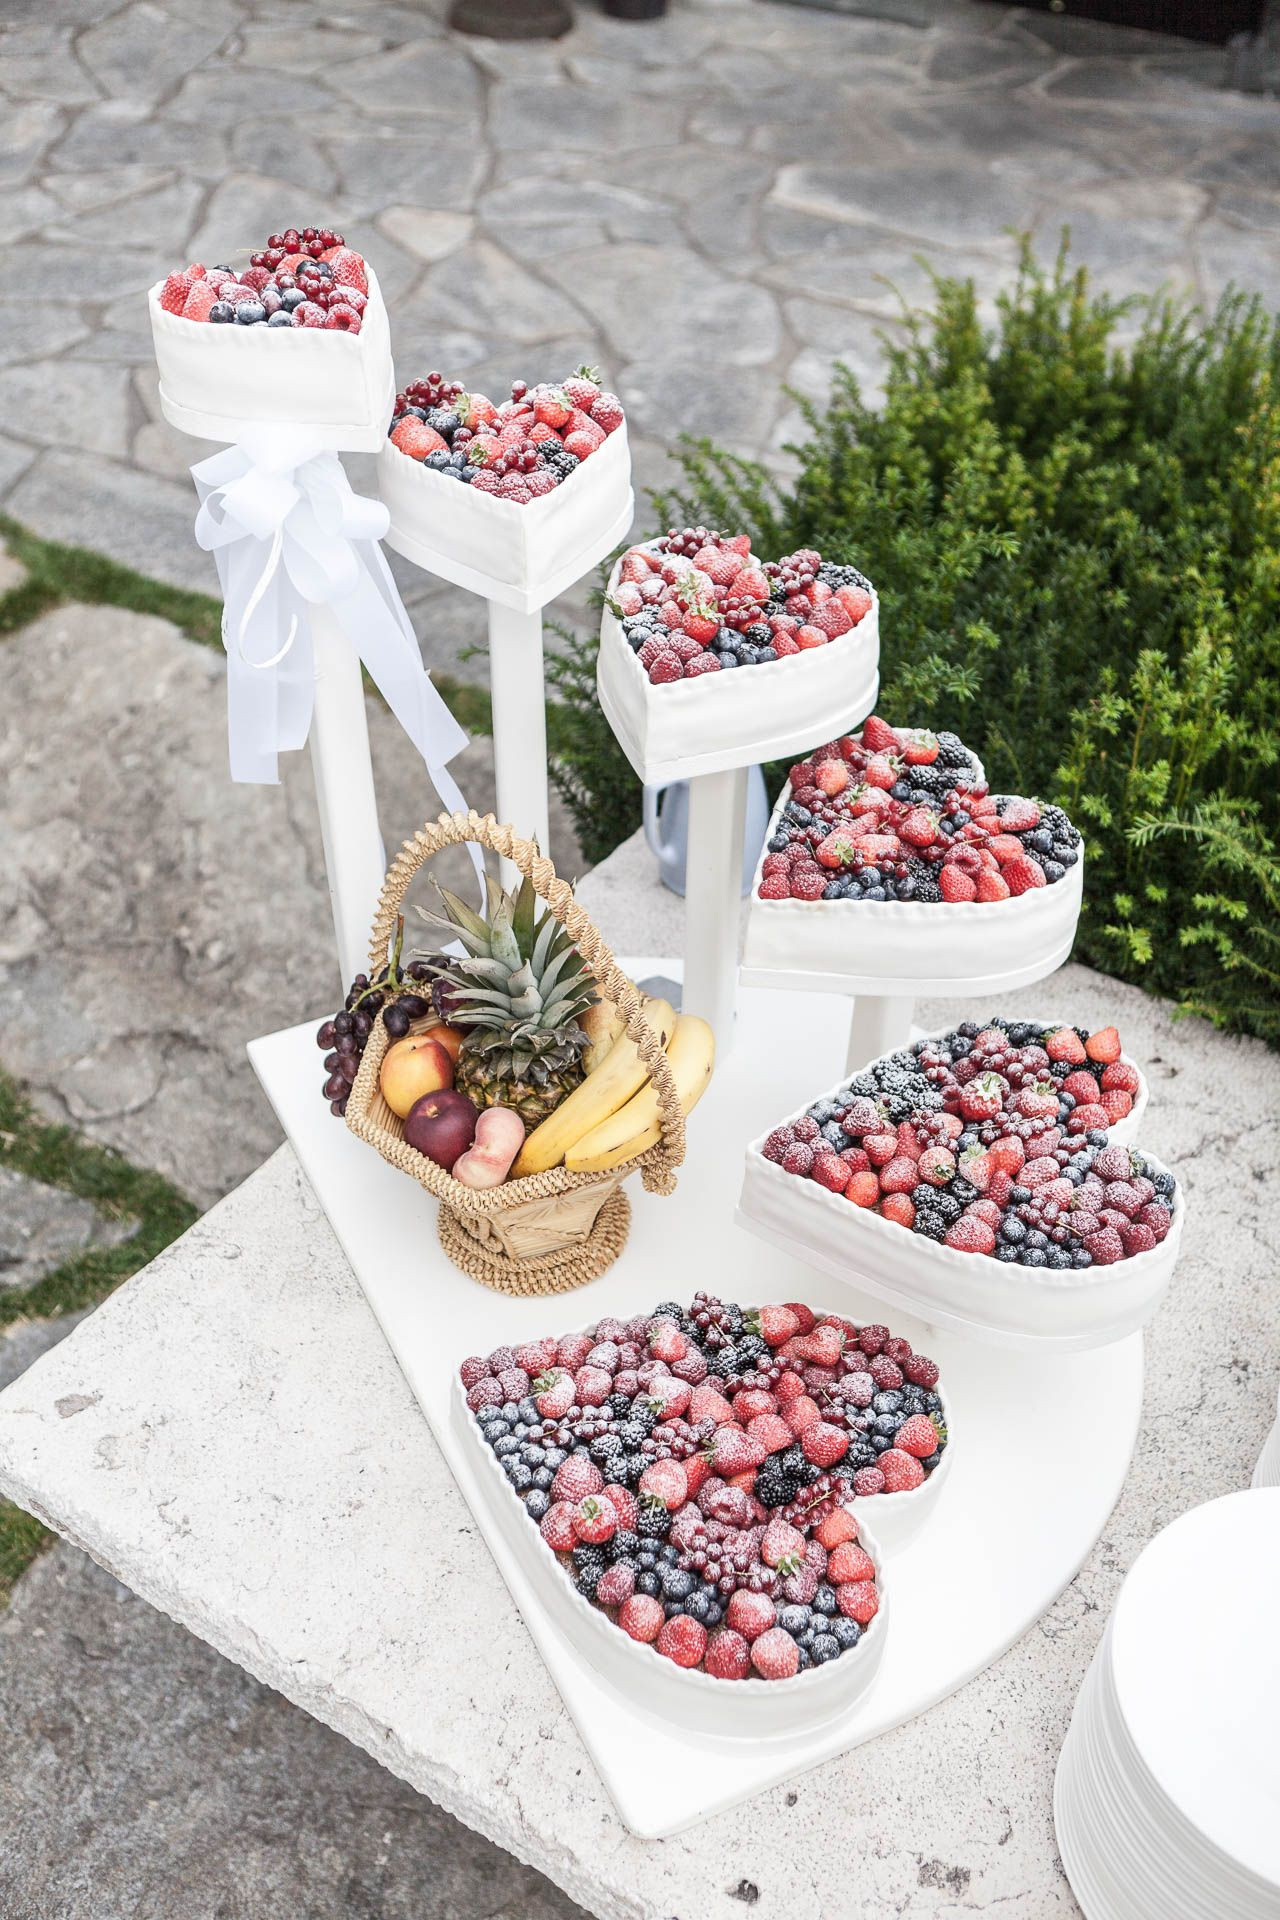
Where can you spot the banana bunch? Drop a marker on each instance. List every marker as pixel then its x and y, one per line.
pixel 612 1115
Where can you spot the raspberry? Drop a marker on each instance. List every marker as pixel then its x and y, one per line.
pixel 701 663
pixel 485 1393
pixel 1105 1246
pixel 918 1436
pixel 775 1655
pixel 886 1374
pixel 798 1158
pixel 311 315
pixel 173 294
pixel 473 1370
pixel 665 668
pixel 775 1147
pixel 921 1371
pixel 902 1471
pixel 868 1480
pixel 850 1562
pixel 1103 1046
pixel 1156 1216
pixel 808 883
pixel 642 1617
pixel 1024 875
pixel 858 1600
pixel 617 1584
pixel 1136 1238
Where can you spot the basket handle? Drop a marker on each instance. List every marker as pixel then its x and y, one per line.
pixel 457 829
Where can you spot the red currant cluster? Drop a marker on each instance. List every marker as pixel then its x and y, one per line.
pixel 279 247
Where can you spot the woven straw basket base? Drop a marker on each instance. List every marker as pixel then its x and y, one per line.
pixel 559 1271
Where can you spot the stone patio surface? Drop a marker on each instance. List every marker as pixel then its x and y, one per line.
pixel 704 207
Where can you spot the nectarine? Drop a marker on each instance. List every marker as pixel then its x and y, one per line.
pixel 414 1066
pixel 441 1125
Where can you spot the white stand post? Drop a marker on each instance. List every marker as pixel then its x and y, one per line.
pixel 519 722
pixel 881 1023
pixel 713 899
pixel 339 745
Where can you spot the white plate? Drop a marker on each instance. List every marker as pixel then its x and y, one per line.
pixel 908 946
pixel 520 556
pixel 718 721
pixel 217 382
pixel 1054 1497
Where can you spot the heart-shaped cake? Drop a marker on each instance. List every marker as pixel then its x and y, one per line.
pixel 218 333
pixel 962 1172
pixel 516 499
pixel 700 1473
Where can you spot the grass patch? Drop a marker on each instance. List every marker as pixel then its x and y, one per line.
pixel 21 1540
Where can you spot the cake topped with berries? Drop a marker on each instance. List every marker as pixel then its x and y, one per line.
pixel 520 449
pixel 906 814
pixel 993 1140
pixel 699 1471
pixel 301 278
pixel 696 602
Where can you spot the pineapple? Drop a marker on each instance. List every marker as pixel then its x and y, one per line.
pixel 518 995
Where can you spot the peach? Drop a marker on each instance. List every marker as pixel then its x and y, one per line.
pixel 414 1066
pixel 499 1138
pixel 450 1038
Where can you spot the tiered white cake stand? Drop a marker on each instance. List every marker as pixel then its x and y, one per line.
pixel 1167 1798
pixel 1053 1497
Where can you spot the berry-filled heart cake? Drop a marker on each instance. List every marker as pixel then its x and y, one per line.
pixel 798 637
pixel 515 498
pixel 217 332
pixel 973 1165
pixel 701 1473
pixel 888 858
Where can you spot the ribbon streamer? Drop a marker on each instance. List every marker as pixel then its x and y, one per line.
pixel 287 533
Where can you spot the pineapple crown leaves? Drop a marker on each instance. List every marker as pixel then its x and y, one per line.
pixel 522 975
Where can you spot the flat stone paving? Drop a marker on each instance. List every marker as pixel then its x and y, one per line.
pixel 708 208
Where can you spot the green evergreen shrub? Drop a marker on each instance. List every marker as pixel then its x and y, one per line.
pixel 1076 547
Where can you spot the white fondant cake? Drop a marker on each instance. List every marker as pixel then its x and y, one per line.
pixel 520 555
pixel 746 1709
pixel 735 719
pixel 218 381
pixel 908 946
pixel 1008 1304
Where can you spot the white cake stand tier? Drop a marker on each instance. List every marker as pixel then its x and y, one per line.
pixel 1035 1510
pixel 889 953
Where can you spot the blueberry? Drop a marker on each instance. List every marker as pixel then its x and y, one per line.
pixel 279 319
pixel 554 1457
pixel 532 1455
pixel 249 313
pixel 764 655
pixel 537 1503
pixel 677 1584
pixel 518 1474
pixel 825 1647
pixel 726 658
pixel 221 311
pixel 845 1633
pixel 888 1402
pixel 794 1620
pixel 542 1478
pixel 507 1446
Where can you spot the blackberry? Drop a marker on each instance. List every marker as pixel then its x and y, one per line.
pixel 833 576
pixel 952 751
pixel 772 1487
pixel 751 1350
pixel 559 459
pixel 654 1522
pixel 625 1545
pixel 586 1580
pixel 862 1087
pixel 728 1364
pixel 590 1557
pixel 669 1310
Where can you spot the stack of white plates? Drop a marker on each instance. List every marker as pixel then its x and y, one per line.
pixel 1167 1799
pixel 1267 1471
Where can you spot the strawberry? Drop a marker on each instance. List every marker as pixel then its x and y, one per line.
pixel 832 618
pixel 1087 1117
pixel 919 828
pixel 777 1325
pixel 1103 1046
pixel 595 1519
pixel 582 388
pixel 552 406
pixel 1121 1077
pixel 1081 1086
pixel 863 1189
pixel 667 1342
pixel 954 884
pixel 902 1471
pixel 936 1165
pixel 858 1600
pixel 198 301
pixel 801 1413
pixel 1024 875
pixel 1065 1044
pixel 583 444
pixel 1005 847
pixel 642 1617
pixel 683 1639
pixel 594 1385
pixel 835 1529
pixel 625 1506
pixel 708 1403
pixel 856 601
pixel 830 1171
pixel 1117 1104
pixel 557 1528
pixel 173 294
pixel 806 1318
pixel 983 1097
pixel 899 1175
pixel 810 636
pixel 750 1614
pixel 617 1584
pixel 664 1481
pixel 575 1478
pixel 348 268
pixel 782 1545
pixel 822 1346
pixel 831 778
pixel 919 747
pixel 730 1450
pixel 728 1656
pixel 553 1394
pixel 775 1655
pixel 822 1443
pixel 850 1562
pixel 770 1432
pixel 917 1436
pixel 969 1235
pixel 1019 816
pixel 879 737
pixel 414 436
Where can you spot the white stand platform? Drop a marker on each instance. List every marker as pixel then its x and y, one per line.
pixel 1017 1520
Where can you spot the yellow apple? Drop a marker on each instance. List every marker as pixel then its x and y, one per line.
pixel 414 1066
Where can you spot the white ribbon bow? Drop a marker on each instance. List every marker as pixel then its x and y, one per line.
pixel 287 533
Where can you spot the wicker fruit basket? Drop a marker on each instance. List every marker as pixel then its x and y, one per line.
pixel 547 1232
